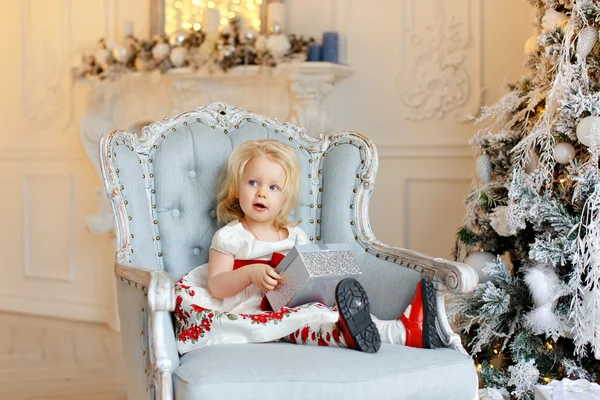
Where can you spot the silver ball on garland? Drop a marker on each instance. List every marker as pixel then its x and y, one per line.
pixel 564 153
pixel 248 35
pixel 123 53
pixel 177 38
pixel 478 261
pixel 161 51
pixel 178 56
pixel 275 28
pixel 484 168
pixel 102 57
pixel 588 130
pixel 586 41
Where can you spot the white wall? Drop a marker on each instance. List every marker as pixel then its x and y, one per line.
pixel 52 265
pixel 426 166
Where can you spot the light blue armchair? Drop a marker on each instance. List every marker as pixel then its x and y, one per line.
pixel 163 188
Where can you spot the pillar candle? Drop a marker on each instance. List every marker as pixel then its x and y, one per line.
pixel 330 47
pixel 314 52
pixel 276 13
pixel 210 20
pixel 126 29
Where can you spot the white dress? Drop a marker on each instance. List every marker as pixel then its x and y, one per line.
pixel 202 320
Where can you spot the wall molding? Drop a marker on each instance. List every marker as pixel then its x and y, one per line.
pixel 30 274
pixel 42 154
pixel 441 71
pixel 424 151
pixel 68 309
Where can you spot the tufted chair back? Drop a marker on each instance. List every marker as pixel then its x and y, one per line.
pixel 164 187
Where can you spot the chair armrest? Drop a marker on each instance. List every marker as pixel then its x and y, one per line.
pixel 161 288
pixel 162 356
pixel 456 277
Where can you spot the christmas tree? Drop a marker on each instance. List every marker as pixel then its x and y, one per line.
pixel 532 228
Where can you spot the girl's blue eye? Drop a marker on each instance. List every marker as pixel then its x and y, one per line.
pixel 253 183
pixel 273 187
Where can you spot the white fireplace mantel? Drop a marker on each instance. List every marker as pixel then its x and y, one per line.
pixel 294 92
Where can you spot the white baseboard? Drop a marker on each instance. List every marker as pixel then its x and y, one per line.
pixel 49 308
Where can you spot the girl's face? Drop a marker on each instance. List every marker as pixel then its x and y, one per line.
pixel 260 191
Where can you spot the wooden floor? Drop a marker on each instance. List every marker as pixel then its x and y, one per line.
pixel 51 359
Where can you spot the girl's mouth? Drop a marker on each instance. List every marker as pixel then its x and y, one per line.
pixel 259 206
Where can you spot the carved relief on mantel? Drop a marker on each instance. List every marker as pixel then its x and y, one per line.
pixel 295 92
pixel 441 56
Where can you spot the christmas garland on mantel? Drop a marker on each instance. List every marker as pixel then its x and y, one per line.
pixel 195 50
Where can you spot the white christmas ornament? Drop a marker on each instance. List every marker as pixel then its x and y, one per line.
pixel 586 41
pixel 553 19
pixel 177 56
pixel 531 46
pixel 588 129
pixel 484 168
pixel 564 153
pixel 533 161
pixel 161 51
pixel 479 261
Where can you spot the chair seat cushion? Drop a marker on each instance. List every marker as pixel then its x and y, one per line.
pixel 288 371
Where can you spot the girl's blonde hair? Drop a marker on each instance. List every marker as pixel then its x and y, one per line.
pixel 229 204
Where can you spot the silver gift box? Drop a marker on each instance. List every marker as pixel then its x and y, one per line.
pixel 310 273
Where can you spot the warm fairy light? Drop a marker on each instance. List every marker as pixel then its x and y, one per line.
pixel 495 351
pixel 547 379
pixel 549 346
pixel 187 14
pixel 562 180
pixel 479 366
pixel 492 366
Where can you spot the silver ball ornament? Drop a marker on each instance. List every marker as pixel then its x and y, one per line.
pixel 178 56
pixel 102 57
pixel 564 153
pixel 161 51
pixel 177 38
pixel 478 261
pixel 275 28
pixel 248 35
pixel 123 53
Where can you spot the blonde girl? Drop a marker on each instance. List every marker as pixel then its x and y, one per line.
pixel 223 301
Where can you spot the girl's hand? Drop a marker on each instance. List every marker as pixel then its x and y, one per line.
pixel 263 276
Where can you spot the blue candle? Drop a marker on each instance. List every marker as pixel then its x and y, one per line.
pixel 314 52
pixel 330 47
